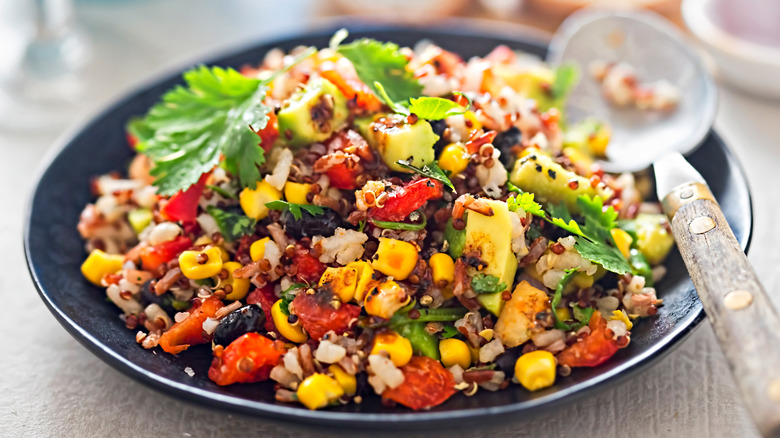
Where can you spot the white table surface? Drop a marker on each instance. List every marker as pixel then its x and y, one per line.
pixel 52 386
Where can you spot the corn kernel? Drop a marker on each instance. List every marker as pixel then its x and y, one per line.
pixel 318 391
pixel 620 315
pixel 455 352
pixel 386 299
pixel 296 192
pixel 193 269
pixel 599 140
pixel 398 347
pixel 365 278
pixel 395 258
pixel 563 314
pixel 239 286
pixel 98 264
pixel 536 370
pixel 223 254
pixel 202 240
pixel 292 332
pixel 443 268
pixel 253 201
pixel 257 249
pixel 471 117
pixel 582 280
pixel 454 158
pixel 623 241
pixel 347 381
pixel 342 281
pixel 474 351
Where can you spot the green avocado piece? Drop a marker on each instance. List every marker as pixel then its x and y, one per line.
pixel 395 140
pixel 139 219
pixel 312 114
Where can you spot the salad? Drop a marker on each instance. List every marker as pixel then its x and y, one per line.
pixel 369 220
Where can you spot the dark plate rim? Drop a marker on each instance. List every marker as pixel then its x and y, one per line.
pixel 360 420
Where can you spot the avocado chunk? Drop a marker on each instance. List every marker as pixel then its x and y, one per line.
pixel 312 114
pixel 653 239
pixel 395 140
pixel 490 239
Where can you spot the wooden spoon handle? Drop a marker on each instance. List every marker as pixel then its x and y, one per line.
pixel 739 309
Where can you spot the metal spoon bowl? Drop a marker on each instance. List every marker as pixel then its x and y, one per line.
pixel 657 50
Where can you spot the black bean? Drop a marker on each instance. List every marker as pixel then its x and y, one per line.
pixel 505 141
pixel 309 225
pixel 438 127
pixel 248 319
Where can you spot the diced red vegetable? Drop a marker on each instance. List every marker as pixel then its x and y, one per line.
pixel 309 268
pixel 183 206
pixel 404 200
pixel 343 177
pixel 596 348
pixel 154 256
pixel 266 298
pixel 190 331
pixel 352 89
pixel 247 359
pixel 318 314
pixel 270 133
pixel 426 384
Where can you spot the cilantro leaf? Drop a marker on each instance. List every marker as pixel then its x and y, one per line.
pixel 435 108
pixel 525 201
pixel 487 284
pixel 222 192
pixel 295 209
pixel 556 300
pixel 214 114
pixel 375 61
pixel 232 226
pixel 566 77
pixel 431 170
pixel 449 331
pixel 582 314
pixel 288 296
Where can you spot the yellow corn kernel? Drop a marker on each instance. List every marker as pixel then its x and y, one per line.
pixel 474 351
pixel 253 201
pixel 98 264
pixel 347 381
pixel 193 269
pixel 471 117
pixel 365 280
pixel 443 268
pixel 318 391
pixel 620 315
pixel 223 254
pixel 397 347
pixel 395 258
pixel 386 299
pixel 455 352
pixel 293 332
pixel 342 281
pixel 296 192
pixel 623 241
pixel 563 314
pixel 239 286
pixel 582 280
pixel 535 370
pixel 454 158
pixel 599 140
pixel 203 240
pixel 257 249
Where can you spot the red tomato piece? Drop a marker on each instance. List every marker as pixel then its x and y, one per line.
pixel 596 348
pixel 183 206
pixel 132 140
pixel 318 316
pixel 247 359
pixel 404 200
pixel 342 177
pixel 266 298
pixel 154 256
pixel 190 331
pixel 309 268
pixel 426 384
pixel 352 89
pixel 270 133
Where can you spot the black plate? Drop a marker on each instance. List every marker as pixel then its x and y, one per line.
pixel 54 253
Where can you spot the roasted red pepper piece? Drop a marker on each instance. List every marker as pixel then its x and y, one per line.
pixel 343 177
pixel 596 348
pixel 318 314
pixel 247 359
pixel 404 200
pixel 190 331
pixel 309 268
pixel 154 256
pixel 426 384
pixel 183 206
pixel 266 298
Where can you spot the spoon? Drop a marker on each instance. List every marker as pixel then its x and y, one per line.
pixel 746 324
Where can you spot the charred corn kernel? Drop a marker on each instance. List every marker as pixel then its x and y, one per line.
pixel 346 381
pixel 257 249
pixel 343 282
pixel 386 299
pixel 293 332
pixel 623 241
pixel 203 240
pixel 253 201
pixel 239 286
pixel 139 219
pixel 455 352
pixel 454 158
pixel 471 117
pixel 365 278
pixel 395 258
pixel 443 268
pixel 620 315
pixel 99 264
pixel 563 314
pixel 536 370
pixel 398 347
pixel 582 280
pixel 318 391
pixel 192 268
pixel 296 192
pixel 599 140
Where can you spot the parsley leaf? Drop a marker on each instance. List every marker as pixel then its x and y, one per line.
pixel 432 171
pixel 570 273
pixel 525 201
pixel 449 331
pixel 375 61
pixel 487 284
pixel 582 314
pixel 222 192
pixel 566 77
pixel 295 209
pixel 288 296
pixel 232 226
pixel 436 108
